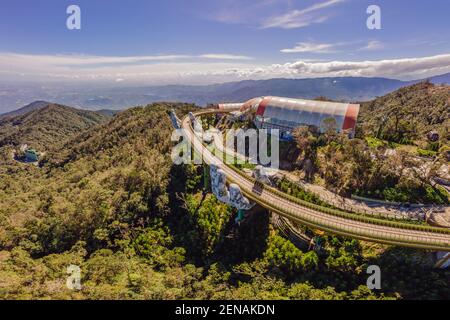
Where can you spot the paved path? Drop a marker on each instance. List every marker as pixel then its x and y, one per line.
pixel 372 208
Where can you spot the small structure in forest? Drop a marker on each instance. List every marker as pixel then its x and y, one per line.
pixel 31 155
pixel 433 136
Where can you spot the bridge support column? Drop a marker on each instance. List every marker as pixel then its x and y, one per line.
pixel 206 178
pixel 240 216
pixel 443 260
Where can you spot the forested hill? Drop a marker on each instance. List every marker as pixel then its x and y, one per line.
pixel 111 201
pixel 115 172
pixel 46 127
pixel 36 105
pixel 124 131
pixel 408 114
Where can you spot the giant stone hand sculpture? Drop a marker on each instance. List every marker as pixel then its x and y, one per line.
pixel 232 197
pixel 237 200
pixel 218 184
pixel 260 175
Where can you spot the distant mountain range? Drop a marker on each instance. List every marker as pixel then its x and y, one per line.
pixel 335 88
pixel 119 98
pixel 441 79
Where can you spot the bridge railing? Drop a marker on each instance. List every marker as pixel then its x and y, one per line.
pixel 382 237
pixel 343 214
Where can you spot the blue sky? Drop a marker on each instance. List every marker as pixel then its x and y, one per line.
pixel 175 41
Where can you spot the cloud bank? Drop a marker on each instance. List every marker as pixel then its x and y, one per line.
pixel 206 68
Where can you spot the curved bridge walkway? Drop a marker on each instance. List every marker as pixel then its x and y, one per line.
pixel 326 219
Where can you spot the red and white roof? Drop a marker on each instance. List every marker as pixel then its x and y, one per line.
pixel 294 112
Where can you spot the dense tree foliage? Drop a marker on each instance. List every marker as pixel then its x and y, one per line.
pixel 350 166
pixel 47 127
pixel 407 114
pixel 110 201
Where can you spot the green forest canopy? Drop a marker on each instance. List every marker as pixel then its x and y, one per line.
pixel 110 201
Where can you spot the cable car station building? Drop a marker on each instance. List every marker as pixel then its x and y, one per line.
pixel 286 114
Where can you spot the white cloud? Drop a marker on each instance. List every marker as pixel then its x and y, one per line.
pixel 198 69
pixel 89 61
pixel 221 56
pixel 248 12
pixel 301 18
pixel 157 69
pixel 373 45
pixel 304 47
pixel 408 68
